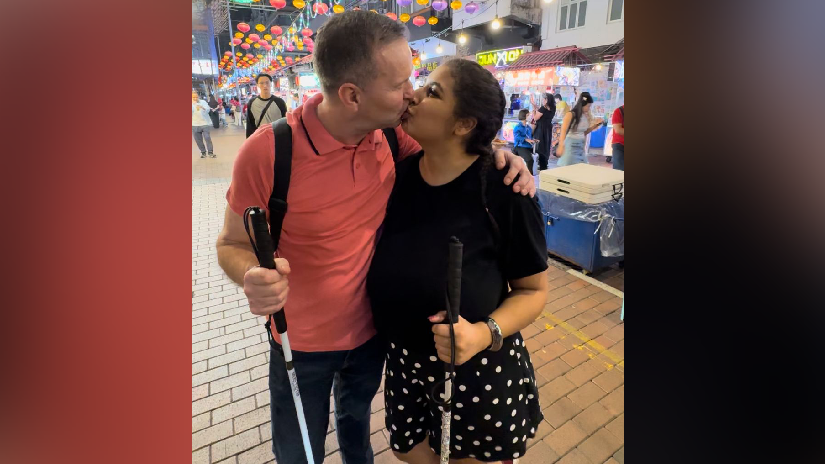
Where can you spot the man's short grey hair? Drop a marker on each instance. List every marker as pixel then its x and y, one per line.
pixel 346 44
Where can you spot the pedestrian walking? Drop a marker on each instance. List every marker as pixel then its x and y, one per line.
pixel 578 122
pixel 201 125
pixel 266 108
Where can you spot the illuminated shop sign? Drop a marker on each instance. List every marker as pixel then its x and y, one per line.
pixel 499 58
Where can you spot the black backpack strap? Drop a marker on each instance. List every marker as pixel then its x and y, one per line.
pixel 392 140
pixel 263 113
pixel 283 169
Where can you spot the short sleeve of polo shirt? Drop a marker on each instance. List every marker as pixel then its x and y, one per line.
pixel 406 145
pixel 252 174
pixel 617 117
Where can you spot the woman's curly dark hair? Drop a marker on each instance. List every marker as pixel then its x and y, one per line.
pixel 478 96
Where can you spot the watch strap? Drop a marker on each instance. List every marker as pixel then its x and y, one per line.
pixel 495 331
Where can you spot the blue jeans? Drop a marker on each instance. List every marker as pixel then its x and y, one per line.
pixel 353 376
pixel 573 152
pixel 618 156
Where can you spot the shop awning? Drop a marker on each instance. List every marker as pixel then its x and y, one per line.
pixel 569 56
pixel 618 56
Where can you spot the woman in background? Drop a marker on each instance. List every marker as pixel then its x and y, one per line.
pixel 576 125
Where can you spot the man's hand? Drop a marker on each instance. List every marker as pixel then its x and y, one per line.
pixel 470 339
pixel 267 289
pixel 525 185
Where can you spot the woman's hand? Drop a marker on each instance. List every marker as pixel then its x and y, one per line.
pixel 559 149
pixel 470 339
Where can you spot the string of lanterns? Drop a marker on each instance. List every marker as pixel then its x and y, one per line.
pixel 241 67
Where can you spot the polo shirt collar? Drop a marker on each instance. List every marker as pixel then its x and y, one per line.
pixel 323 141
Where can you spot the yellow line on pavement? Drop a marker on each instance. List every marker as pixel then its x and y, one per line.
pixel 617 360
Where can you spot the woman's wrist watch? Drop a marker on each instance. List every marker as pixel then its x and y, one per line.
pixel 495 331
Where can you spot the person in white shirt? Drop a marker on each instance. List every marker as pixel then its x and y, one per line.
pixel 201 124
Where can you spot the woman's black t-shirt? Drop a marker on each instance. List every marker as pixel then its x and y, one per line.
pixel 407 279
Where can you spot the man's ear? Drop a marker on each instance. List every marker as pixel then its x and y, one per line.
pixel 350 96
pixel 464 126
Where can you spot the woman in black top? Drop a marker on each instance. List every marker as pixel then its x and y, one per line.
pixel 449 190
pixel 543 131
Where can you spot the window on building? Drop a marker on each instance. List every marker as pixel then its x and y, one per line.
pixel 616 10
pixel 572 14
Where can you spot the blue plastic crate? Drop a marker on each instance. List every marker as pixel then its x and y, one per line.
pixel 576 241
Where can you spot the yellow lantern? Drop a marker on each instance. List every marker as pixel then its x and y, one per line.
pixel 404 17
pixel 239 35
pixel 433 20
pixel 248 40
pixel 259 56
pixel 422 2
pixel 291 30
pixel 274 42
pixel 456 5
pixel 299 4
pixel 239 54
pixel 417 61
pixel 259 27
pixel 257 45
pixel 337 9
pixel 267 37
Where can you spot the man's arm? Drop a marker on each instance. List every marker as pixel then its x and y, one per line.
pixel 618 122
pixel 281 105
pixel 525 185
pixel 250 121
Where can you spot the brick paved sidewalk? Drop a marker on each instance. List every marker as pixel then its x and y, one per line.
pixel 577 349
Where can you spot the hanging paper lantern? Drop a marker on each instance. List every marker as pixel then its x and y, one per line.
pixel 439 5
pixel 276 30
pixel 290 48
pixel 256 45
pixel 471 8
pixel 278 3
pixel 254 37
pixel 307 41
pixel 267 37
pixel 259 56
pixel 259 27
pixel 433 20
pixel 239 54
pixel 403 2
pixel 416 61
pixel 456 5
pixel 289 60
pixel 337 9
pixel 291 30
pixel 320 8
pixel 245 46
pixel 422 2
pixel 248 40
pixel 392 16
pixel 404 17
pixel 239 35
pixel 248 56
pixel 236 41
pixel 419 21
pixel 298 4
pixel 243 27
pixel 268 47
pixel 306 32
pixel 228 53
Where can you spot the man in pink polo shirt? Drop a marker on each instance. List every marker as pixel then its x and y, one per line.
pixel 342 176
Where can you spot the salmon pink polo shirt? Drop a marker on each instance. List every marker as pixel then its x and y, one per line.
pixel 337 201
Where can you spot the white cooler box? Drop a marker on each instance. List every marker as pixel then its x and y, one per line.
pixel 584 182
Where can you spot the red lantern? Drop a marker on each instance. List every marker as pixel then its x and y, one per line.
pixel 278 3
pixel 263 42
pixel 236 41
pixel 243 27
pixel 307 41
pixel 392 16
pixel 320 8
pixel 306 32
pixel 245 46
pixel 268 47
pixel 289 60
pixel 254 37
pixel 419 21
pixel 276 30
pixel 249 55
pixel 228 53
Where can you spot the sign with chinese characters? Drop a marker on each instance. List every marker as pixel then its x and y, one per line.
pixel 531 77
pixel 499 58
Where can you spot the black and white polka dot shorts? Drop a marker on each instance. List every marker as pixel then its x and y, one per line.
pixel 495 410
